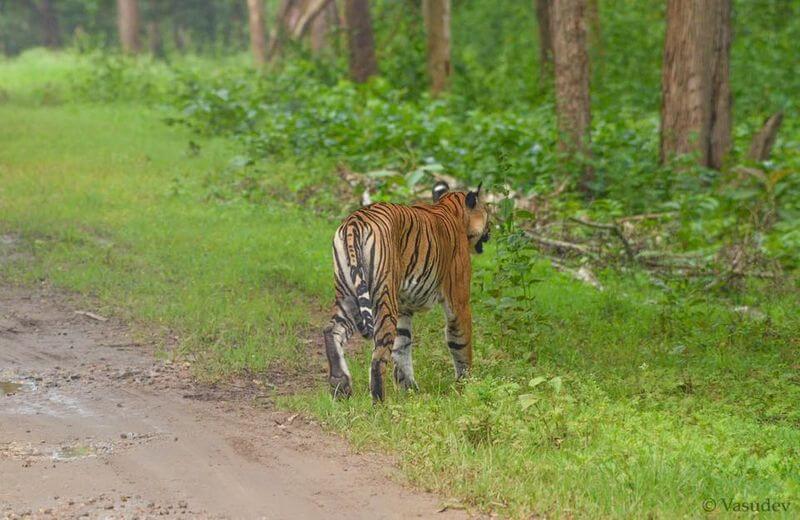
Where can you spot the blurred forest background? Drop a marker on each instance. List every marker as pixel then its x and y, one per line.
pixel 635 312
pixel 679 116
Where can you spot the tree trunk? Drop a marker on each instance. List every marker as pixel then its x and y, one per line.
pixel 154 42
pixel 297 18
pixel 572 81
pixel 437 26
pixel 128 21
pixel 544 11
pixel 721 98
pixel 258 43
pixel 360 40
pixel 321 27
pixel 51 35
pixel 309 12
pixel 278 34
pixel 696 97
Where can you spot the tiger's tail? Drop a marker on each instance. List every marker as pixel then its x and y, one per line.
pixel 355 260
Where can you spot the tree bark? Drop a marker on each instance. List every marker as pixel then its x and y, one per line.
pixel 297 18
pixel 573 106
pixel 258 43
pixel 287 16
pixel 310 13
pixel 360 40
pixel 51 35
pixel 721 98
pixel 321 27
pixel 436 14
pixel 696 97
pixel 128 22
pixel 544 9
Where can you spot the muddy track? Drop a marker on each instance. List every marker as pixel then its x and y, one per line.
pixel 93 425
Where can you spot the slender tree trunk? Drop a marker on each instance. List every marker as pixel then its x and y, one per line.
pixel 308 12
pixel 154 41
pixel 437 26
pixel 287 12
pixel 128 21
pixel 235 28
pixel 696 97
pixel 721 118
pixel 297 18
pixel 544 9
pixel 51 35
pixel 321 27
pixel 360 40
pixel 258 43
pixel 572 81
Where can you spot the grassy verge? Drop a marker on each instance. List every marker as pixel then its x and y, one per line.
pixel 628 402
pixel 111 202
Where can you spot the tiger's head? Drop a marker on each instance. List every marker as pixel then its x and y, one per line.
pixel 477 217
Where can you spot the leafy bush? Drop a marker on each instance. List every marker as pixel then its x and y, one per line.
pixel 497 125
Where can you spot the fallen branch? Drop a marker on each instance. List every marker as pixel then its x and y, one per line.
pixel 561 245
pixel 583 273
pixel 615 230
pixel 648 216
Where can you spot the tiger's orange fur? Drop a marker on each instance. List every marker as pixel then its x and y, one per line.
pixel 392 260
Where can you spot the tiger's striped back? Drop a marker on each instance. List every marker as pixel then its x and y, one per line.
pixel 391 248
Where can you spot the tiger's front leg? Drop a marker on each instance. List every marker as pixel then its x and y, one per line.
pixel 458 335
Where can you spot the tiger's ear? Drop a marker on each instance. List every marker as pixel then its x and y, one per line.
pixel 439 189
pixel 472 197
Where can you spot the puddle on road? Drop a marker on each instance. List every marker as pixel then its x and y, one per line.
pixel 81 451
pixel 9 387
pixel 66 452
pixel 36 399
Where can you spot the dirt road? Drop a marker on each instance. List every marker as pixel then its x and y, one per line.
pixel 92 424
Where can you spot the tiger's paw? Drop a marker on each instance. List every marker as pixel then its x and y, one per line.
pixel 376 381
pixel 404 381
pixel 341 387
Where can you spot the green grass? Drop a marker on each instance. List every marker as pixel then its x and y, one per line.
pixel 110 202
pixel 651 401
pixel 38 76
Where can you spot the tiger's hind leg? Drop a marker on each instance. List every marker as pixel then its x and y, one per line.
pixel 336 334
pixel 401 354
pixel 385 333
pixel 458 334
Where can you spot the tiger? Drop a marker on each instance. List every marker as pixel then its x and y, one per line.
pixel 391 261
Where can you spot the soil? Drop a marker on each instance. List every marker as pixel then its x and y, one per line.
pixel 94 425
